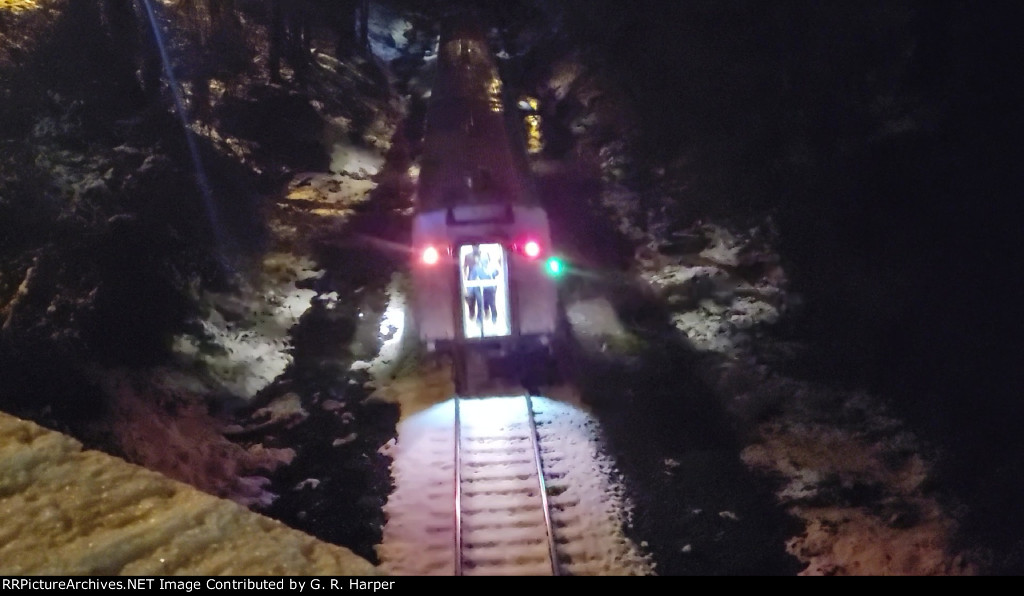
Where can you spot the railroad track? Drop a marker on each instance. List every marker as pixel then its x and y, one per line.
pixel 504 486
pixel 502 515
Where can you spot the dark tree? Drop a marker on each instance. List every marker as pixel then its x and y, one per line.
pixel 152 65
pixel 364 25
pixel 213 32
pixel 298 42
pixel 125 35
pixel 276 18
pixel 343 18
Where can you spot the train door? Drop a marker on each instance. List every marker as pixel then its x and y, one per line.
pixel 483 275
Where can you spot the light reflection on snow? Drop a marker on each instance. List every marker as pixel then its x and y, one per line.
pixel 392 324
pixel 353 160
pixel 418 536
pixel 390 333
pixel 245 341
pixel 387 33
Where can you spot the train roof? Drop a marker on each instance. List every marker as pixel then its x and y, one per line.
pixel 464 24
pixel 470 153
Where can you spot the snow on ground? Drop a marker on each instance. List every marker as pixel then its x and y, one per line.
pixel 392 334
pixel 724 246
pixel 419 532
pixel 244 342
pixel 594 317
pixel 595 493
pixel 419 536
pixel 348 159
pixel 715 308
pixel 239 347
pixel 387 32
pixel 159 420
pixel 847 468
pixel 330 194
pixel 18 5
pixel 72 511
pixel 245 337
pixel 861 489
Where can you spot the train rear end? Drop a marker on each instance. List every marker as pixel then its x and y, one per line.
pixel 498 326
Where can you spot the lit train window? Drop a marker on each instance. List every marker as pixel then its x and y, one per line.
pixel 484 283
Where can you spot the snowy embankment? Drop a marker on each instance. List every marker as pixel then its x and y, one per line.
pixel 241 346
pixel 843 465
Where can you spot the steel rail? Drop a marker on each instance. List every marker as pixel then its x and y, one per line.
pixel 535 439
pixel 542 486
pixel 458 490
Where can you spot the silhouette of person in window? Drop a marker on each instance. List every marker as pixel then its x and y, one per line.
pixel 489 270
pixel 472 270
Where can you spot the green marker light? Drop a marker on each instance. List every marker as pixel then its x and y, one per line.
pixel 554 266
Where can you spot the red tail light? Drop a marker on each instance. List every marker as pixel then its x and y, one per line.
pixel 531 249
pixel 430 256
